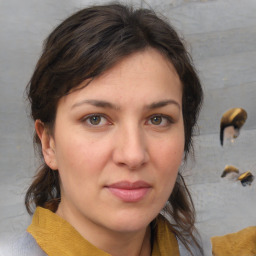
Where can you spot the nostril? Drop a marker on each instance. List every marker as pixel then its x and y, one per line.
pixel 231 123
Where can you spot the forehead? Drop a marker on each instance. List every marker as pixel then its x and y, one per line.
pixel 146 74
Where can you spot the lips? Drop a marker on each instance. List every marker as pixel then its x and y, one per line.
pixel 129 191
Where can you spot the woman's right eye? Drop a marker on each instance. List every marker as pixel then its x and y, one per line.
pixel 95 120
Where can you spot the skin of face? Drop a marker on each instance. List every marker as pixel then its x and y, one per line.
pixel 125 126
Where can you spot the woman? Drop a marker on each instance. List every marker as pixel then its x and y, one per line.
pixel 115 99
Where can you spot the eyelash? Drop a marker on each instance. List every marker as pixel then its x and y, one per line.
pixel 167 118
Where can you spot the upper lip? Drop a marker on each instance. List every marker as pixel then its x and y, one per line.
pixel 130 185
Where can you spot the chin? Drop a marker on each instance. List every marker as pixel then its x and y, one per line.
pixel 128 222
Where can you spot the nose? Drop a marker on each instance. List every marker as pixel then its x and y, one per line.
pixel 130 148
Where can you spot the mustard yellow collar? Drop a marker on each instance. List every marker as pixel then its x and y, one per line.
pixel 57 237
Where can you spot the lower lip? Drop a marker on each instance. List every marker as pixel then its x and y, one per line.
pixel 129 195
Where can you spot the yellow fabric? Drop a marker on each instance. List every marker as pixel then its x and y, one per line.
pixel 242 243
pixel 165 243
pixel 57 237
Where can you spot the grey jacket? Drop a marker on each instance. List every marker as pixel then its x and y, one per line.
pixel 26 245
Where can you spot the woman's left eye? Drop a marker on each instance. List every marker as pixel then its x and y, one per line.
pixel 95 120
pixel 160 120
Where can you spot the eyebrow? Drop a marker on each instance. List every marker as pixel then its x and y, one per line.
pixel 106 104
pixel 96 103
pixel 162 103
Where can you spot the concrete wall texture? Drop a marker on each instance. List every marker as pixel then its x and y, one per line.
pixel 220 36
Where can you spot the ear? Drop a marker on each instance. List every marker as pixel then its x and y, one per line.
pixel 48 144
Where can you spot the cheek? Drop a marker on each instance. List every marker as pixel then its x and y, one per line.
pixel 168 159
pixel 170 151
pixel 80 156
pixel 77 168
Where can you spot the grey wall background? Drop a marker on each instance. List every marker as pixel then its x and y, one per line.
pixel 220 35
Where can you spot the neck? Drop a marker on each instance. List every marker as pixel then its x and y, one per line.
pixel 135 243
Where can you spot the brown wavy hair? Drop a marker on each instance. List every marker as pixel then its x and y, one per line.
pixel 85 45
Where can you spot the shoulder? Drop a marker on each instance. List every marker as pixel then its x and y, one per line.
pixel 24 245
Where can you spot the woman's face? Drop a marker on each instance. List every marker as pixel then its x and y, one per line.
pixel 118 143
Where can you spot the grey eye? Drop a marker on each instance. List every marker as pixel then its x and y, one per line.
pixel 156 120
pixel 95 120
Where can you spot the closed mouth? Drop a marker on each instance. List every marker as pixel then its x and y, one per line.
pixel 129 191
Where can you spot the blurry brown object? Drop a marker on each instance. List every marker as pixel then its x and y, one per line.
pixel 246 178
pixel 229 169
pixel 231 122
